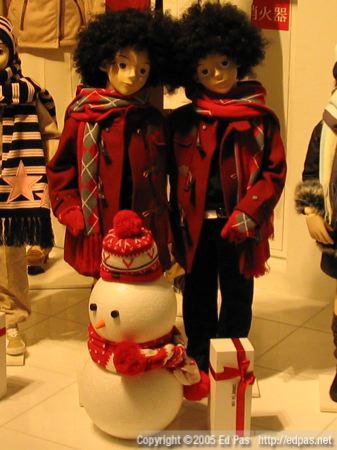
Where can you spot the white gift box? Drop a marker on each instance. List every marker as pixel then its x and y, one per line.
pixel 231 379
pixel 3 379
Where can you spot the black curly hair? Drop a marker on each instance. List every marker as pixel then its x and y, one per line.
pixel 110 32
pixel 216 28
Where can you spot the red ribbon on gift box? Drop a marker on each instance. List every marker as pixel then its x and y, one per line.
pixel 246 378
pixel 2 331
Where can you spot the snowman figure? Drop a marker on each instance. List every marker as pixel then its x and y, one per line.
pixel 138 373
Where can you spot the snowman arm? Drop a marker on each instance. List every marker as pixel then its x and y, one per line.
pixel 188 373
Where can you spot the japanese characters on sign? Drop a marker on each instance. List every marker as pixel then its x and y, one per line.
pixel 271 14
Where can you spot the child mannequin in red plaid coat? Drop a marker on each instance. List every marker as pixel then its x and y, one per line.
pixel 228 172
pixel 112 152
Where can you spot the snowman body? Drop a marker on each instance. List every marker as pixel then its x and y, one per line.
pixel 126 406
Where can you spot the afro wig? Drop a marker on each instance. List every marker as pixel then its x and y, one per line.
pixel 213 28
pixel 110 32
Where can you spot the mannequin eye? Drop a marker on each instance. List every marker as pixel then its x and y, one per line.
pixel 225 63
pixel 114 314
pixel 204 72
pixel 93 307
pixel 142 71
pixel 122 65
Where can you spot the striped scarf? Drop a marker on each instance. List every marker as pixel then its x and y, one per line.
pixel 91 106
pixel 327 154
pixel 24 200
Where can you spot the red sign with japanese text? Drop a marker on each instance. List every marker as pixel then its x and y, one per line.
pixel 271 14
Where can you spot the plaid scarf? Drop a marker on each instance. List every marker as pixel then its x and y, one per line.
pixel 24 200
pixel 245 104
pixel 248 107
pixel 91 106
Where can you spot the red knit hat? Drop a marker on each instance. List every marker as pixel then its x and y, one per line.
pixel 129 253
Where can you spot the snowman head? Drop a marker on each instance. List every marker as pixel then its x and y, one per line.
pixel 141 312
pixel 131 300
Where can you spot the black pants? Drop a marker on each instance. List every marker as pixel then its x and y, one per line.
pixel 215 259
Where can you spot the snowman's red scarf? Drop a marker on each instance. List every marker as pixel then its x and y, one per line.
pixel 130 358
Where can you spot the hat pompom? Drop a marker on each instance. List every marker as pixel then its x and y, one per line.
pixel 129 252
pixel 127 224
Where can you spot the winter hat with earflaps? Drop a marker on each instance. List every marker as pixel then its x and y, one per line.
pixel 7 36
pixel 129 253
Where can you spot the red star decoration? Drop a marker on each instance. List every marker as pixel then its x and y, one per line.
pixel 22 184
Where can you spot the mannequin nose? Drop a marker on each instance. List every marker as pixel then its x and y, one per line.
pixel 218 73
pixel 132 73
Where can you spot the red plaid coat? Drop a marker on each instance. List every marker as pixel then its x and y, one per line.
pixel 146 151
pixel 194 141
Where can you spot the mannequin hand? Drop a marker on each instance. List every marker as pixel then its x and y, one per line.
pixel 239 227
pixel 318 228
pixel 73 219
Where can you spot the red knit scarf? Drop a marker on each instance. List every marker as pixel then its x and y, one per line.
pixel 245 104
pixel 246 100
pixel 91 106
pixel 130 358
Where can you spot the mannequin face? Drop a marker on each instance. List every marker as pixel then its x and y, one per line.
pixel 4 55
pixel 217 73
pixel 129 72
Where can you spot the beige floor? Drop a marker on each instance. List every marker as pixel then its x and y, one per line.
pixel 293 348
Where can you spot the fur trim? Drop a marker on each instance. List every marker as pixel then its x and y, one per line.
pixel 309 193
pixel 328 249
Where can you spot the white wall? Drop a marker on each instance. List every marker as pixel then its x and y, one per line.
pixel 313 38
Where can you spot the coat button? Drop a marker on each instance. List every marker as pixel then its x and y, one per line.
pixel 255 197
pixel 139 131
pixel 107 129
pixel 203 126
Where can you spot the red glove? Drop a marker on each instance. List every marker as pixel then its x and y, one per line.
pixel 73 219
pixel 239 227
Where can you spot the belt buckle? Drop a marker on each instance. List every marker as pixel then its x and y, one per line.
pixel 220 212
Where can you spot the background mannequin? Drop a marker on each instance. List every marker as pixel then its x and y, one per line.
pixel 316 196
pixel 26 132
pixel 119 55
pixel 222 200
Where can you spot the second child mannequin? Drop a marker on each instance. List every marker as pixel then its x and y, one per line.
pixel 112 152
pixel 27 130
pixel 228 173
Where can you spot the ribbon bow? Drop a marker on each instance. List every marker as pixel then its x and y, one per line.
pixel 246 378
